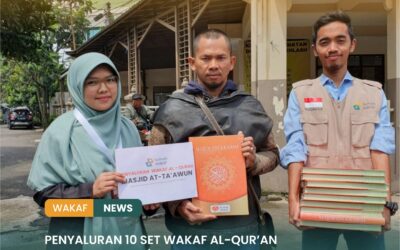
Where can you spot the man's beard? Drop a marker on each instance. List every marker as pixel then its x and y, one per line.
pixel 333 69
pixel 212 85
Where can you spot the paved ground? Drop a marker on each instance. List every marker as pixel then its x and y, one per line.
pixel 17 148
pixel 24 227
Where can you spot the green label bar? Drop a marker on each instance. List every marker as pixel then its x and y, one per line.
pixel 117 208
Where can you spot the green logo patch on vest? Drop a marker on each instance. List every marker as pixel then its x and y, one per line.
pixel 364 105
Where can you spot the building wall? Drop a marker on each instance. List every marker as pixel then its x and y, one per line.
pixel 124 84
pixel 393 85
pixel 59 106
pixel 371 45
pixel 158 78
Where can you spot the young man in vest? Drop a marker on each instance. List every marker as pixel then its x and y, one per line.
pixel 336 121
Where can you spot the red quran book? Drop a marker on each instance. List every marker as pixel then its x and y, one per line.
pixel 220 174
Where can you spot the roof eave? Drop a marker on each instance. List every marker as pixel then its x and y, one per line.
pixel 114 24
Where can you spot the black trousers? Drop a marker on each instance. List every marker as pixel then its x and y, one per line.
pixel 327 239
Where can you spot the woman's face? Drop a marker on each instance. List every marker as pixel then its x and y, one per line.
pixel 100 89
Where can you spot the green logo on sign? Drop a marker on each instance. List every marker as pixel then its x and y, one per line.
pixel 149 162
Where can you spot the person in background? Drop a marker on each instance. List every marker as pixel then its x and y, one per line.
pixel 336 121
pixel 138 113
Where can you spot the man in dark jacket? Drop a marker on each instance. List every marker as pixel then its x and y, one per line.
pixel 180 117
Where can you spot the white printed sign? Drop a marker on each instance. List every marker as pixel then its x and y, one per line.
pixel 157 174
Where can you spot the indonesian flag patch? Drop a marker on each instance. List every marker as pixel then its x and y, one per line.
pixel 313 103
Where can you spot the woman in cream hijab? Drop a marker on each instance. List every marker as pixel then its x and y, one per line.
pixel 71 163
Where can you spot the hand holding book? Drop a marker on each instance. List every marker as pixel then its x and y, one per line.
pixel 154 206
pixel 106 182
pixel 294 211
pixel 386 215
pixel 248 150
pixel 295 169
pixel 193 214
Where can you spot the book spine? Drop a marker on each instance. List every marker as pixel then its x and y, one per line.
pixel 338 178
pixel 353 172
pixel 340 211
pixel 338 198
pixel 359 227
pixel 338 218
pixel 345 192
pixel 345 185
pixel 342 205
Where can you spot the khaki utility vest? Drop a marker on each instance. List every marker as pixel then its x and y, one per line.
pixel 338 134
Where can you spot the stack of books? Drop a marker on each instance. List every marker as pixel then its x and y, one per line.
pixel 343 199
